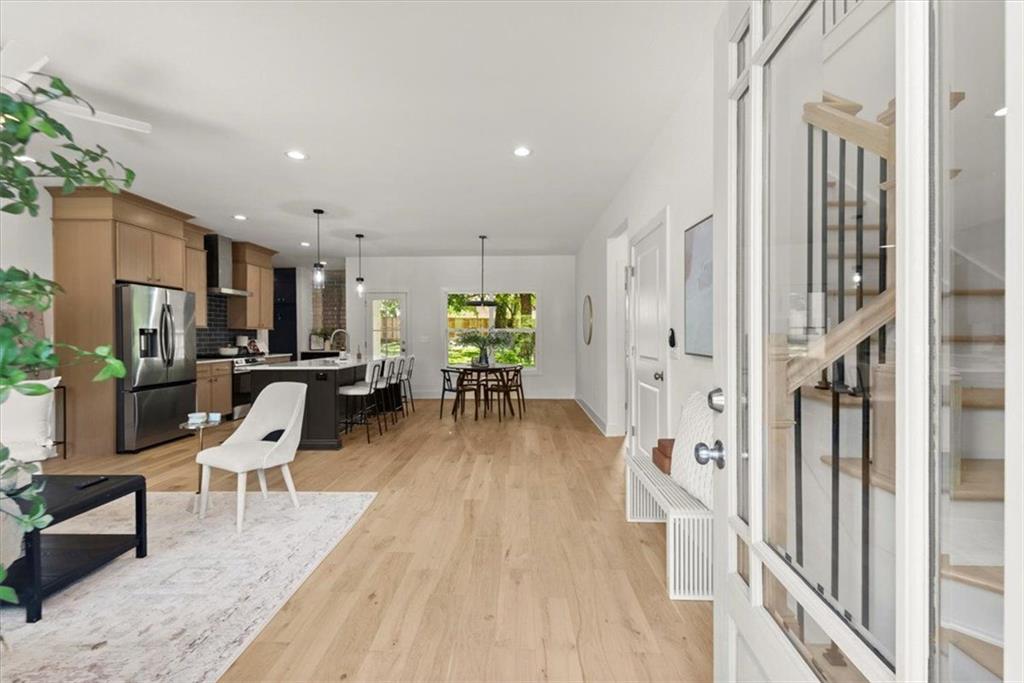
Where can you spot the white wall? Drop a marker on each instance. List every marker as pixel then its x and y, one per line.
pixel 27 242
pixel 426 280
pixel 674 173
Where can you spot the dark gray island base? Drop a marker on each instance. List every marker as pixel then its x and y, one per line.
pixel 325 410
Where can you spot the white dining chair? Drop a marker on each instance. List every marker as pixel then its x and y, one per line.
pixel 268 437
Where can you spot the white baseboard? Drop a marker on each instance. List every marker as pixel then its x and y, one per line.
pixel 592 414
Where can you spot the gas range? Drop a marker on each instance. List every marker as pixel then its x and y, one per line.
pixel 246 363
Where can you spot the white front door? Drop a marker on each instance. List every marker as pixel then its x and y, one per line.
pixel 649 339
pixel 386 324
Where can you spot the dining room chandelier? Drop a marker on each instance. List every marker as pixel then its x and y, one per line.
pixel 360 283
pixel 482 301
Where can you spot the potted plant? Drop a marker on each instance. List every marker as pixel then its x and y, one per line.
pixel 485 340
pixel 24 295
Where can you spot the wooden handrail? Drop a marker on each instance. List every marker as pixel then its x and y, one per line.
pixel 870 135
pixel 841 339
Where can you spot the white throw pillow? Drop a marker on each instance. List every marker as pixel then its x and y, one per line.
pixel 28 423
pixel 696 423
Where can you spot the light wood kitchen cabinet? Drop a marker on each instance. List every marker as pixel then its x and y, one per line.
pixel 150 257
pixel 168 260
pixel 100 238
pixel 195 281
pixel 213 387
pixel 253 273
pixel 134 254
pixel 266 299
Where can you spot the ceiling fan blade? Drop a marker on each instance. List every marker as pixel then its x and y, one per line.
pixel 80 111
pixel 20 65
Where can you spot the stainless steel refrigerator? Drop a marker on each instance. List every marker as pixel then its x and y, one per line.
pixel 156 337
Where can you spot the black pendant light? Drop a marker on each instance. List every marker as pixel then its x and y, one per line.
pixel 482 301
pixel 360 287
pixel 319 276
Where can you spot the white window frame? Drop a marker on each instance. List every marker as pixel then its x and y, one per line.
pixel 527 370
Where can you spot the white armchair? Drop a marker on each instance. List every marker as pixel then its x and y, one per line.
pixel 277 411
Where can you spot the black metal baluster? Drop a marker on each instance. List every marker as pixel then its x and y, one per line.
pixel 810 221
pixel 798 467
pixel 839 373
pixel 835 486
pixel 863 389
pixel 823 383
pixel 883 253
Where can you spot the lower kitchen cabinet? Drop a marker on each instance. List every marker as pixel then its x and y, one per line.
pixel 213 387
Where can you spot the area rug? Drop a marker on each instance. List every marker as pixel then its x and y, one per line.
pixel 190 608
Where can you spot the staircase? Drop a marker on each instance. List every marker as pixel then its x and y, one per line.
pixel 838 414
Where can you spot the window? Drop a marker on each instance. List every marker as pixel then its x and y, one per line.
pixel 514 314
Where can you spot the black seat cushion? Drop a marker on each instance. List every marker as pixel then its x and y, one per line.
pixel 274 435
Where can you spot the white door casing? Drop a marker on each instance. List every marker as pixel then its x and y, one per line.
pixel 649 292
pixel 371 323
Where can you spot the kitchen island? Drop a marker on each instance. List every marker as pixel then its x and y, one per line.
pixel 325 411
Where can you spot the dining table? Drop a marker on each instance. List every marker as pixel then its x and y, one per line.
pixel 487 372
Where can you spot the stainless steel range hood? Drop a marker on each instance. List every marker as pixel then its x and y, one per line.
pixel 219 267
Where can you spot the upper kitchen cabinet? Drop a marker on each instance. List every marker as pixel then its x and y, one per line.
pixel 253 273
pixel 195 268
pixel 149 238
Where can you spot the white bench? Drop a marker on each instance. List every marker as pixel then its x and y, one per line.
pixel 653 496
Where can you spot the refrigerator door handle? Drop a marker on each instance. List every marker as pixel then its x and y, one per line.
pixel 171 335
pixel 163 335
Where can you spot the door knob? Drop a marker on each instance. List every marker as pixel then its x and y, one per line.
pixel 705 454
pixel 716 400
pixel 659 375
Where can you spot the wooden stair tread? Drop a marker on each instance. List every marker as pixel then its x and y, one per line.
pixel 988 655
pixel 991 398
pixel 853 257
pixel 833 673
pixel 980 479
pixel 846 202
pixel 987 577
pixel 810 391
pixel 853 467
pixel 852 291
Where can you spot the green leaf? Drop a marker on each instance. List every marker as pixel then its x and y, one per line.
pixel 32 389
pixel 7 594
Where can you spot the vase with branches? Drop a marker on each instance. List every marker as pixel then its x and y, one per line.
pixel 485 341
pixel 24 295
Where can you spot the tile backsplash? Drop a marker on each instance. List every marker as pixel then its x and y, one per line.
pixel 216 334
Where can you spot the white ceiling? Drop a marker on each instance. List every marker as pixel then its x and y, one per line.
pixel 409 111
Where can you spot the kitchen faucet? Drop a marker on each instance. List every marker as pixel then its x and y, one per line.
pixel 348 340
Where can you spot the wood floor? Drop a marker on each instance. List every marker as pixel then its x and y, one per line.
pixel 492 552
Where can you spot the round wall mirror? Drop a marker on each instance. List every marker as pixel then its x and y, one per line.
pixel 588 320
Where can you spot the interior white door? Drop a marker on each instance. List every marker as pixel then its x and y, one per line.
pixel 386 324
pixel 650 339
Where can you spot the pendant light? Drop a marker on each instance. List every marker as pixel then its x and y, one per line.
pixel 360 288
pixel 319 276
pixel 482 301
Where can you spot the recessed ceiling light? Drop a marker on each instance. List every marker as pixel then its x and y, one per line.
pixel 522 151
pixel 999 112
pixel 239 217
pixel 25 159
pixel 297 155
pixel 303 244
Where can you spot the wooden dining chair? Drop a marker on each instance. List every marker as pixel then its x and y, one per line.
pixel 515 385
pixel 449 385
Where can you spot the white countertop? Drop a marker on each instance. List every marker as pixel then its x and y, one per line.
pixel 224 359
pixel 314 364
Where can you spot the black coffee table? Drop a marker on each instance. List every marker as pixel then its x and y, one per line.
pixel 53 561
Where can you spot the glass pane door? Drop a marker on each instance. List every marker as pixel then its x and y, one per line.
pixel 969 348
pixel 829 316
pixel 386 326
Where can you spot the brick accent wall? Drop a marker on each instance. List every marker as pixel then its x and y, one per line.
pixel 329 303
